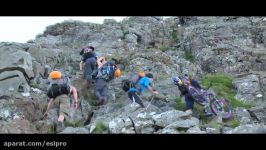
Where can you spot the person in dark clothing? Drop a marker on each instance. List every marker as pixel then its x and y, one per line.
pixel 182 83
pixel 89 58
pixel 101 81
pixel 100 90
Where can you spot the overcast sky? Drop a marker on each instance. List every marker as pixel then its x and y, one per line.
pixel 22 29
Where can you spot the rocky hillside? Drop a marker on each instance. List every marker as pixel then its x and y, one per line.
pixel 204 47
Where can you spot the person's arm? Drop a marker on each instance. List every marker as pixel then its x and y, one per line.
pixel 182 91
pixel 147 84
pixel 50 104
pixel 81 52
pixel 80 65
pixel 73 90
pixel 101 61
pixel 152 90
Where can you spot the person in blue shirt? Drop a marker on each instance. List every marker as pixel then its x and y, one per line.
pixel 143 84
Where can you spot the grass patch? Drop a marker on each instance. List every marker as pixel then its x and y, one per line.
pixel 34 85
pixel 180 104
pixel 75 124
pixel 188 56
pixel 222 86
pixel 163 48
pixel 181 130
pixel 100 127
pixel 174 37
pixel 89 97
pixel 232 123
pixel 215 125
pixel 147 49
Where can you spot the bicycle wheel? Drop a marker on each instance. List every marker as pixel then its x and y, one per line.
pixel 223 107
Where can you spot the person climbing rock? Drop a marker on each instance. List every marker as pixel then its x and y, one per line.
pixel 58 91
pixel 87 65
pixel 107 70
pixel 183 83
pixel 143 82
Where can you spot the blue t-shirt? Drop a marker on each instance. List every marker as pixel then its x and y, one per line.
pixel 143 83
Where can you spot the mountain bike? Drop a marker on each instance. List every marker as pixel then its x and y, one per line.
pixel 217 106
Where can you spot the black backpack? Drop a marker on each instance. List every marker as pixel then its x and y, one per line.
pixel 127 84
pixel 59 89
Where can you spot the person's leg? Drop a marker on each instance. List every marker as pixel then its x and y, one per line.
pixel 64 110
pixel 104 94
pixel 98 95
pixel 135 98
pixel 189 103
pixel 130 96
pixel 89 67
pixel 100 90
pixel 86 85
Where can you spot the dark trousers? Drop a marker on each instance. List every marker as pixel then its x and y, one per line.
pixel 100 90
pixel 134 97
pixel 189 101
pixel 90 65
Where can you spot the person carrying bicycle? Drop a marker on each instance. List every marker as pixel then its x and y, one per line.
pixel 183 83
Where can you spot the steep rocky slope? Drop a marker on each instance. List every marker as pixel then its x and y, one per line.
pixel 198 46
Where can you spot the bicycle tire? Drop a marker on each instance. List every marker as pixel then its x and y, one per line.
pixel 221 106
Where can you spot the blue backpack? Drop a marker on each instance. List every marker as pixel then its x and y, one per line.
pixel 106 72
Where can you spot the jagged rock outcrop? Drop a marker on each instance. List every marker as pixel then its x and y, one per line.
pixel 165 47
pixel 15 69
pixel 248 128
pixel 248 88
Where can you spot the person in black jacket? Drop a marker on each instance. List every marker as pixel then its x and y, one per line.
pixel 90 59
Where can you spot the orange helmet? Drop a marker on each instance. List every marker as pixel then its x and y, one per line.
pixel 117 73
pixel 55 75
pixel 141 73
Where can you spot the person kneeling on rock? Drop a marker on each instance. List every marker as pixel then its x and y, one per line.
pixel 58 91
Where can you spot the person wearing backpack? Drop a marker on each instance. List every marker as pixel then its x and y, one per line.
pixel 107 70
pixel 183 83
pixel 135 89
pixel 58 91
pixel 89 58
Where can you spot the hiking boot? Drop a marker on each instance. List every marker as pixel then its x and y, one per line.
pixel 60 127
pixel 141 104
